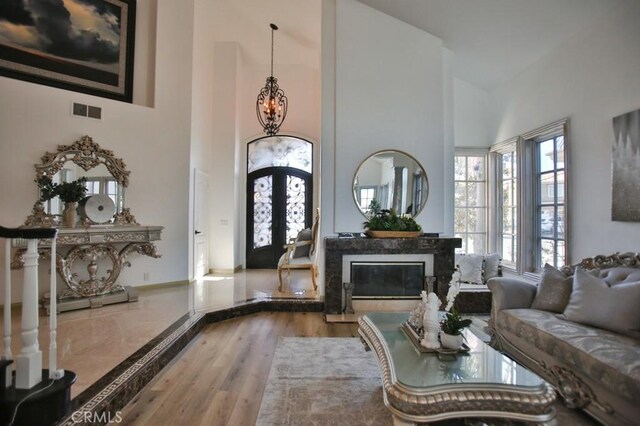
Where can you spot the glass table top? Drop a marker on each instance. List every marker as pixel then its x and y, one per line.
pixel 481 365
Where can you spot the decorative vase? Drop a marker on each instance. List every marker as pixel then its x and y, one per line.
pixel 451 341
pixel 70 215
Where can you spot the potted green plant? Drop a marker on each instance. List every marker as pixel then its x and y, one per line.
pixel 70 193
pixel 382 223
pixel 452 325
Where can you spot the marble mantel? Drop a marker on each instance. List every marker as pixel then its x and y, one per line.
pixel 335 248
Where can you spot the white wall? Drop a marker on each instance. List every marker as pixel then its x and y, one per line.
pixel 153 141
pixel 592 79
pixel 449 115
pixel 224 161
pixel 472 115
pixel 388 94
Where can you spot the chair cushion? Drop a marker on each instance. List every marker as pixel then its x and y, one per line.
pixel 553 291
pixel 594 302
pixel 299 261
pixel 303 249
pixel 606 357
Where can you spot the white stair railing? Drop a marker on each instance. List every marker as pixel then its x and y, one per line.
pixel 6 353
pixel 28 363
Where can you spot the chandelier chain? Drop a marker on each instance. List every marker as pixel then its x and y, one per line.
pixel 272 30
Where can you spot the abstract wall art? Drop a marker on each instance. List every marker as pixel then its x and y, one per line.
pixel 626 168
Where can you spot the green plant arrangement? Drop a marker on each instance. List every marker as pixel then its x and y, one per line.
pixel 69 192
pixel 389 220
pixel 453 323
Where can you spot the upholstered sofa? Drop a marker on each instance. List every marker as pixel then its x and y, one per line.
pixel 592 368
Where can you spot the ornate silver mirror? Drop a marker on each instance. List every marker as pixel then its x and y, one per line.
pixel 106 178
pixel 394 179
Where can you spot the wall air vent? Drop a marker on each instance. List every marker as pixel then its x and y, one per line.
pixel 82 110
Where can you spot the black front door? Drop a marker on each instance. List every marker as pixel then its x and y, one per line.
pixel 279 205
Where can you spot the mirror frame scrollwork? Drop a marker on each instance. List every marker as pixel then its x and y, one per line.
pixel 86 154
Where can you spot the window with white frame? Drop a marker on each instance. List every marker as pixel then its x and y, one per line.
pixel 366 196
pixel 103 186
pixel 550 202
pixel 531 201
pixel 509 203
pixel 471 200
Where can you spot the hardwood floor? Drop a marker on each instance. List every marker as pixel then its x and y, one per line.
pixel 219 378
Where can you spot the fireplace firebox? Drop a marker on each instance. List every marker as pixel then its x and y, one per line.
pixel 380 280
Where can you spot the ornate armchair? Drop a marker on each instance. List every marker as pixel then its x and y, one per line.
pixel 298 257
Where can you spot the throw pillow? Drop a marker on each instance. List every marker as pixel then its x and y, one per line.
pixel 491 266
pixel 470 267
pixel 553 291
pixel 594 302
pixel 302 250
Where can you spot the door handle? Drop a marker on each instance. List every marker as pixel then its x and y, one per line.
pixel 198 232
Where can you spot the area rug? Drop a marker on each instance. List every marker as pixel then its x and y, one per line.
pixel 323 381
pixel 334 381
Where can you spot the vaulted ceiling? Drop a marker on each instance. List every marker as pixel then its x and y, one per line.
pixel 494 40
pixel 491 40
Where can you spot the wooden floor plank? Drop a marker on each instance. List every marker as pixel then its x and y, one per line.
pixel 219 378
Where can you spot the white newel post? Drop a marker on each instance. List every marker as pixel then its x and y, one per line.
pixel 6 355
pixel 54 373
pixel 29 361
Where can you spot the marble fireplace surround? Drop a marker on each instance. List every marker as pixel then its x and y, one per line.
pixel 442 249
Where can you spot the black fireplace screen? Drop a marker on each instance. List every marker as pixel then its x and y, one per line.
pixel 387 279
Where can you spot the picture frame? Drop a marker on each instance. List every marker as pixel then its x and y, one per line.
pixel 625 174
pixel 86 46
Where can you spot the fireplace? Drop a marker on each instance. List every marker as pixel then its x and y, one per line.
pixel 436 253
pixel 400 276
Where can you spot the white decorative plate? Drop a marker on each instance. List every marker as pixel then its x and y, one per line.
pixel 99 208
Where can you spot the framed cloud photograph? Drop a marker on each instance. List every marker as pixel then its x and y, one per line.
pixel 80 45
pixel 626 168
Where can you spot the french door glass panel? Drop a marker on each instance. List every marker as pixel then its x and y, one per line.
pixel 262 211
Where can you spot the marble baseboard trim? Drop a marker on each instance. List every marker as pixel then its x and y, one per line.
pixel 115 389
pixel 169 284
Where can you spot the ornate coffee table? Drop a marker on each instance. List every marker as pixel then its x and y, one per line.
pixel 425 387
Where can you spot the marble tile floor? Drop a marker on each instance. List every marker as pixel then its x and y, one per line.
pixel 93 341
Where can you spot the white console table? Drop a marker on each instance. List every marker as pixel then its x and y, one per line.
pixel 91 245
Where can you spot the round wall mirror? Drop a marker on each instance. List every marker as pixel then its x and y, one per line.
pixel 392 178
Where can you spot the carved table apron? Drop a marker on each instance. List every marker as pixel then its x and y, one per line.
pixel 91 244
pixel 424 387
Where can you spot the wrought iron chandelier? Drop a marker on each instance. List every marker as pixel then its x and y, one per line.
pixel 271 106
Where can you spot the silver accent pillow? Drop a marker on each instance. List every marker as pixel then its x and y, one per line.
pixel 594 302
pixel 491 266
pixel 554 290
pixel 470 266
